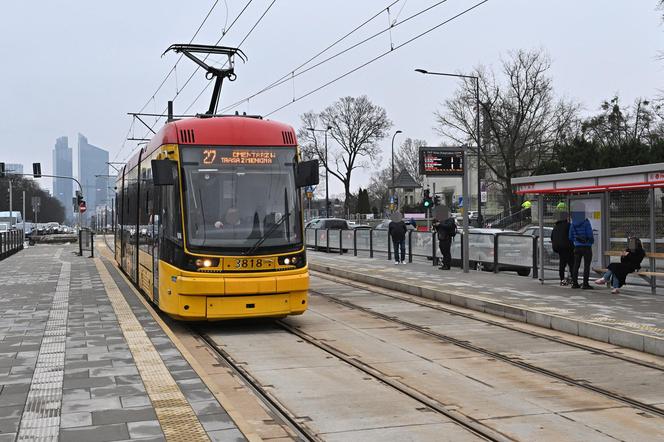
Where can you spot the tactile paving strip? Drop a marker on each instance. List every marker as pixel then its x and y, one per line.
pixel 41 415
pixel 177 418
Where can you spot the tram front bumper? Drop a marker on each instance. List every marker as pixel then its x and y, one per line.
pixel 227 297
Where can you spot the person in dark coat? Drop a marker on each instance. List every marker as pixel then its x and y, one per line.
pixel 563 246
pixel 630 261
pixel 446 230
pixel 397 230
pixel 581 235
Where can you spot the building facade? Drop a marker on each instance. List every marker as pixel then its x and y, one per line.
pixel 63 166
pixel 93 175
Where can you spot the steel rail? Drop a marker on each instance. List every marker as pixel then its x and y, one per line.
pixel 281 412
pixel 499 356
pixel 458 312
pixel 470 424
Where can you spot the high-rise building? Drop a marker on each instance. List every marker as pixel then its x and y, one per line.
pixel 14 168
pixel 93 174
pixel 62 166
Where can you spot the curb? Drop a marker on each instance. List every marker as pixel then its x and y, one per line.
pixel 597 332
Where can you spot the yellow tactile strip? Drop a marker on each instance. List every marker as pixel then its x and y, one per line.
pixel 177 418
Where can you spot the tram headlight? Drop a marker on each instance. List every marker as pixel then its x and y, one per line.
pixel 292 260
pixel 206 262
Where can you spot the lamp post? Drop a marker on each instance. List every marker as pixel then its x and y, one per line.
pixel 327 176
pixel 479 137
pixel 395 134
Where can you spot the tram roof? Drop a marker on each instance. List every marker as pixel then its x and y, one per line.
pixel 221 131
pixel 643 176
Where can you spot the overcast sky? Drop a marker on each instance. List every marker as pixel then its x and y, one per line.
pixel 80 66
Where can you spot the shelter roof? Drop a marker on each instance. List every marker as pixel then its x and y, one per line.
pixel 405 181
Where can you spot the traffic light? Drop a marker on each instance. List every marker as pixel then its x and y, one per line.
pixel 79 198
pixel 427 202
pixel 2 170
pixel 36 170
pixel 436 200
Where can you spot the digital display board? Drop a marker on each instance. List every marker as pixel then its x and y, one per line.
pixel 441 161
pixel 237 156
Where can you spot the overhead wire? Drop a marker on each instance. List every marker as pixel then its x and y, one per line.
pixel 179 91
pixel 418 36
pixel 290 76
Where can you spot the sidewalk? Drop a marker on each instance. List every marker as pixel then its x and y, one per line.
pixel 632 320
pixel 82 359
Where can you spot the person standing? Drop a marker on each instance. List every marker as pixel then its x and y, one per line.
pixel 446 231
pixel 581 235
pixel 562 245
pixel 397 230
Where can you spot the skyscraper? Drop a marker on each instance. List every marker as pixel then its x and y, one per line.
pixel 92 172
pixel 62 166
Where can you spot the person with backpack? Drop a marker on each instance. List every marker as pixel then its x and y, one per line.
pixel 581 235
pixel 446 231
pixel 397 230
pixel 562 245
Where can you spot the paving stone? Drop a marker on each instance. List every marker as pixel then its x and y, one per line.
pixel 78 419
pixel 123 415
pixel 230 435
pixel 12 399
pixel 120 390
pixel 205 407
pixel 89 382
pixel 108 403
pixel 144 429
pixel 98 433
pixel 9 424
pixel 135 401
pixel 216 421
pixel 10 411
pixel 7 437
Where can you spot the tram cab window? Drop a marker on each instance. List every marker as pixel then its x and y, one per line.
pixel 231 206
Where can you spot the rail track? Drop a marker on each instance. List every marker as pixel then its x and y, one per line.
pixel 491 353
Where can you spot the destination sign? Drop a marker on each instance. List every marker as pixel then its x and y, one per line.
pixel 441 161
pixel 238 156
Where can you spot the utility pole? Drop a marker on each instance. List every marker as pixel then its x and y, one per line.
pixel 24 215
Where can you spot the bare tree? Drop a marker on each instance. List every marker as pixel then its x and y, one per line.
pixel 522 118
pixel 408 158
pixel 356 125
pixel 378 188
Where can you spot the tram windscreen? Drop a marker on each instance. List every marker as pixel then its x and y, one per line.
pixel 237 197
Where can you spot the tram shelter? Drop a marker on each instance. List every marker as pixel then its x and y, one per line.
pixel 619 202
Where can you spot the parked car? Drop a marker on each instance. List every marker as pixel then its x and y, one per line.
pixel 329 223
pixel 548 248
pixel 385 224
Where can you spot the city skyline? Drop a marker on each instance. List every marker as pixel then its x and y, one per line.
pixel 63 166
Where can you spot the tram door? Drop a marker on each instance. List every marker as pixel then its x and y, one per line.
pixel 593 210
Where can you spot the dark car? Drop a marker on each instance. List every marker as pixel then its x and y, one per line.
pixel 329 223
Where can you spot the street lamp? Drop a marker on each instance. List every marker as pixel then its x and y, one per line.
pixel 327 177
pixel 395 134
pixel 479 137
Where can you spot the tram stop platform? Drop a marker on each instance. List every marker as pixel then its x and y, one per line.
pixel 83 359
pixel 633 319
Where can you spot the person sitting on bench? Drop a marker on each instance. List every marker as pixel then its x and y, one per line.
pixel 630 261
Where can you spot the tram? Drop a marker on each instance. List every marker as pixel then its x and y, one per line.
pixel 209 219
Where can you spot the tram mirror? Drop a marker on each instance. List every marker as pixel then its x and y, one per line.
pixel 306 173
pixel 162 173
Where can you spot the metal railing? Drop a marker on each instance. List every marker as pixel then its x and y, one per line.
pixel 11 242
pixel 501 251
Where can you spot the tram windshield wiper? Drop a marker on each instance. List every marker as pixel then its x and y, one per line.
pixel 274 227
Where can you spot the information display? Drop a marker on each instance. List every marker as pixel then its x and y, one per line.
pixel 237 156
pixel 441 161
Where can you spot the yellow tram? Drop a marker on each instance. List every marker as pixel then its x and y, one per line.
pixel 209 219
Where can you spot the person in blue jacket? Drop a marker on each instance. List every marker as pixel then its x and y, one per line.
pixel 581 235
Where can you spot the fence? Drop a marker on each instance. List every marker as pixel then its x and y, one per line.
pixel 11 242
pixel 501 251
pixel 86 242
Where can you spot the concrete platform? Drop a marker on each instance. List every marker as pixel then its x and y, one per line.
pixel 630 320
pixel 81 358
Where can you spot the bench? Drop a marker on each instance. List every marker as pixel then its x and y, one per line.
pixel 648 276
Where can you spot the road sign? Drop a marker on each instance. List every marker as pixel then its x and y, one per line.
pixel 310 195
pixel 483 197
pixel 441 161
pixel 82 208
pixel 460 201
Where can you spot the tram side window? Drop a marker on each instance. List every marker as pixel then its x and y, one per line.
pixel 171 220
pixel 145 209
